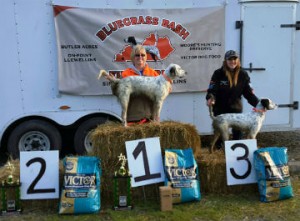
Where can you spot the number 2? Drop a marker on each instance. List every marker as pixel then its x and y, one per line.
pixel 31 189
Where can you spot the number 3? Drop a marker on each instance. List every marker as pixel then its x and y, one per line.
pixel 244 157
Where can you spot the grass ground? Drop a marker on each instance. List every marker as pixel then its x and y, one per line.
pixel 243 206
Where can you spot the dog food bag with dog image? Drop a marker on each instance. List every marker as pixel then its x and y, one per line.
pixel 182 175
pixel 81 185
pixel 272 172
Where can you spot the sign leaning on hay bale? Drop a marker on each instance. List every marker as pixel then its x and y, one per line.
pixel 145 161
pixel 39 174
pixel 239 161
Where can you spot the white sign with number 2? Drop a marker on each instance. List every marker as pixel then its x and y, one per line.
pixel 39 174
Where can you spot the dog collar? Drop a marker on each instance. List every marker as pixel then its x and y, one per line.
pixel 167 78
pixel 259 110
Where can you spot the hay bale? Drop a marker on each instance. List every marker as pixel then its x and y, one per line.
pixel 109 141
pixel 212 169
pixel 5 171
pixel 47 204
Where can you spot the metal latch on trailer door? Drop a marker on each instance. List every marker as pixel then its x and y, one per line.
pixel 251 68
pixel 296 26
pixel 294 105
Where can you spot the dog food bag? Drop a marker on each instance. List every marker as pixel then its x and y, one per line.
pixel 81 185
pixel 272 172
pixel 182 175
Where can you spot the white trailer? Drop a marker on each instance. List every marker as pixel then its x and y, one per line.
pixel 34 115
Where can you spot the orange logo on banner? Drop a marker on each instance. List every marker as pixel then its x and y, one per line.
pixel 163 44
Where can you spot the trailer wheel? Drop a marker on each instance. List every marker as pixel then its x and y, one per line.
pixel 33 135
pixel 82 141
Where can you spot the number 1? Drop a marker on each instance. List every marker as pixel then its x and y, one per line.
pixel 141 147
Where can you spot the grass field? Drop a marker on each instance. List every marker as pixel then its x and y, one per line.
pixel 243 206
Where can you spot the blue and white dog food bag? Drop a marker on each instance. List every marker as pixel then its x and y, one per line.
pixel 81 185
pixel 272 172
pixel 181 170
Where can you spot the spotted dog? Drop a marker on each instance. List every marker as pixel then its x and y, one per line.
pixel 250 123
pixel 156 88
pixel 151 49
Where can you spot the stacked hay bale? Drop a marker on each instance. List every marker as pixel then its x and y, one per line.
pixel 213 178
pixel 109 142
pixel 110 138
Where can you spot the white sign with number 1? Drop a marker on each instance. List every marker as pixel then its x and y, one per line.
pixel 39 174
pixel 145 161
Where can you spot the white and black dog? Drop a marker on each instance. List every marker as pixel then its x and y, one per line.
pixel 151 49
pixel 250 123
pixel 156 88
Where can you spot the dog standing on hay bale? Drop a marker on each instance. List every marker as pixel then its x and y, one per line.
pixel 250 123
pixel 156 88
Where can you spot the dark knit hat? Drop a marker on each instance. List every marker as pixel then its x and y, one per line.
pixel 231 54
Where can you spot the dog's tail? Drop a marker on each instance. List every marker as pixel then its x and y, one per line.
pixel 108 76
pixel 102 73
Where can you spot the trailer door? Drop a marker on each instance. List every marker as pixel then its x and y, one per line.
pixel 268 54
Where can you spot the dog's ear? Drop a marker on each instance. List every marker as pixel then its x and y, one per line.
pixel 265 102
pixel 131 39
pixel 173 71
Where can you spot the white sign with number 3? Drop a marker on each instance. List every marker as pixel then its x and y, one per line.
pixel 145 161
pixel 39 174
pixel 239 161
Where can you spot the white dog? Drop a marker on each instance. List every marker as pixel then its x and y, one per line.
pixel 250 123
pixel 156 88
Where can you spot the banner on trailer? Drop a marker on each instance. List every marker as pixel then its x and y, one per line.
pixel 90 39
